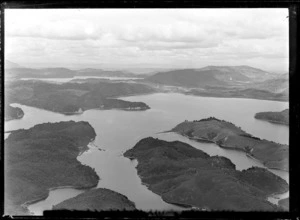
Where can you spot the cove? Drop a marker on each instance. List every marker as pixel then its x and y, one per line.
pixel 118 131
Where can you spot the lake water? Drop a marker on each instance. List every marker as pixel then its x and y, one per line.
pixel 63 80
pixel 118 131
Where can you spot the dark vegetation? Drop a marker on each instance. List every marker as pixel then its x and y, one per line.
pixel 233 92
pixel 213 76
pixel 227 81
pixel 97 200
pixel 227 135
pixel 284 203
pixel 44 157
pixel 106 73
pixel 11 113
pixel 185 175
pixel 210 81
pixel 186 78
pixel 72 97
pixel 139 214
pixel 274 117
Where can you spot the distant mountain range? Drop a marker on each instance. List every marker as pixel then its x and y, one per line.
pixel 13 70
pixel 99 72
pixel 226 81
pixel 63 73
pixel 219 81
pixel 212 76
pixel 9 65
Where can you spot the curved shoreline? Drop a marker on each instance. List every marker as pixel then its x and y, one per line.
pixel 228 148
pixel 140 152
pixel 31 202
pixel 28 203
pixel 241 150
pixel 147 186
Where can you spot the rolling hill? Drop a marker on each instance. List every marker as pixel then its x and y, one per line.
pixel 274 117
pixel 73 98
pixel 14 70
pixel 44 157
pixel 105 73
pixel 227 135
pixel 225 76
pixel 184 175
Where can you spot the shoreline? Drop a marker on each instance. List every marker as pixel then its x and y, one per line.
pixel 252 157
pixel 271 121
pixel 79 113
pixel 191 207
pixel 31 202
pixel 151 93
pixel 229 148
pixel 148 187
pixel 275 198
pixel 191 94
pixel 239 97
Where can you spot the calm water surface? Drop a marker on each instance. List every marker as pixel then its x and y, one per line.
pixel 118 131
pixel 63 80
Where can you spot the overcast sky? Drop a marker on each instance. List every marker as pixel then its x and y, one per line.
pixel 143 38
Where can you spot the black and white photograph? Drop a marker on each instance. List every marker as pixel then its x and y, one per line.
pixel 146 109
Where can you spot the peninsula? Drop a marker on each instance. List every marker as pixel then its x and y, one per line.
pixel 184 175
pixel 45 157
pixel 11 113
pixel 74 98
pixel 227 135
pixel 99 199
pixel 274 117
pixel 284 203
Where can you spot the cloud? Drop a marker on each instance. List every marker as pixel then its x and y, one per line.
pixel 173 37
pixel 61 30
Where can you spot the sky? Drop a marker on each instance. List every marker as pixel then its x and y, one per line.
pixel 147 38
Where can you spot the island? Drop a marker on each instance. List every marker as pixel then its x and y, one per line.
pixel 274 117
pixel 99 199
pixel 227 135
pixel 12 113
pixel 44 157
pixel 75 98
pixel 186 176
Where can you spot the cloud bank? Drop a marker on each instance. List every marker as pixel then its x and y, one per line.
pixel 164 38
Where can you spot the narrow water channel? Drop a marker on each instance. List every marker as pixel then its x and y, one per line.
pixel 118 131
